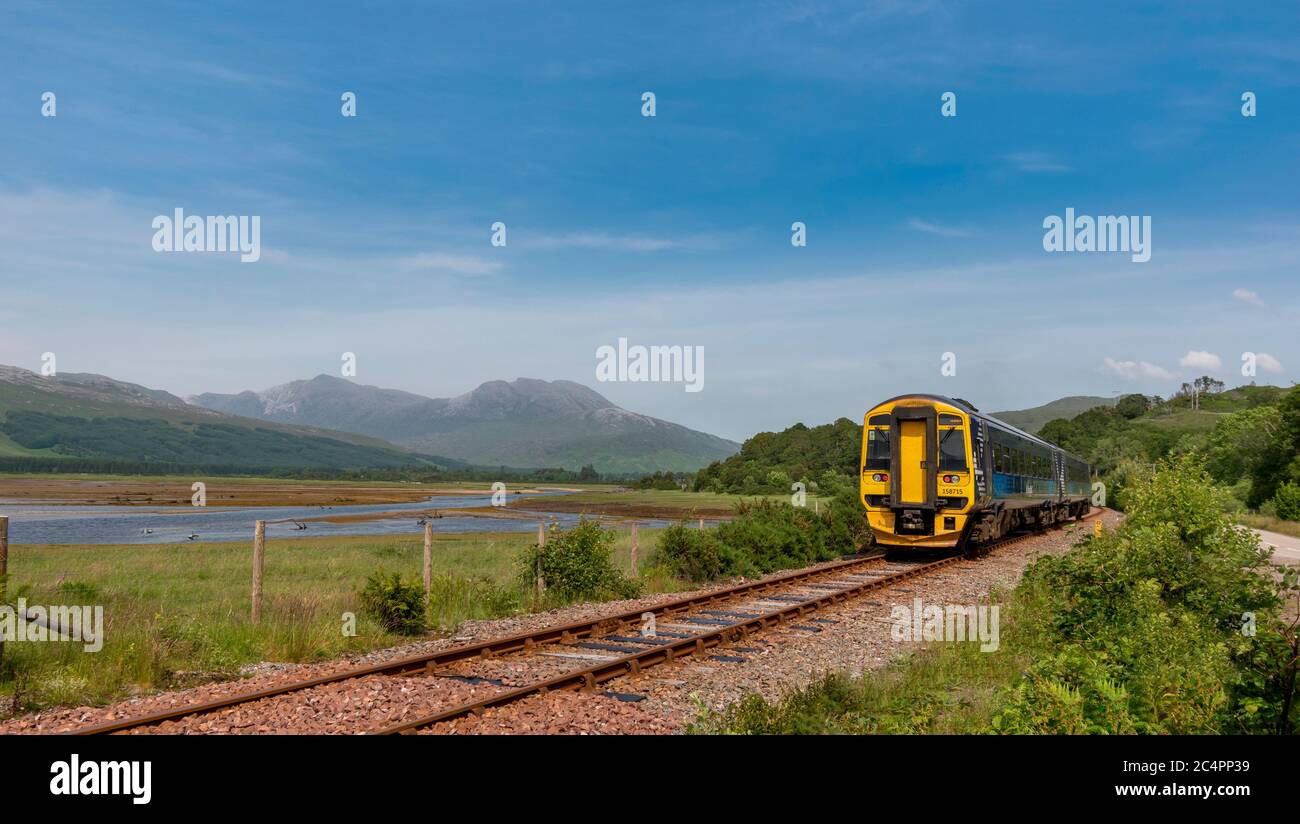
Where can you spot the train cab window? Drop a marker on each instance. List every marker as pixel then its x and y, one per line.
pixel 877 449
pixel 950 420
pixel 878 420
pixel 952 450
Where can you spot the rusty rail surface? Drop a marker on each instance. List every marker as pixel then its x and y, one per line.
pixel 670 651
pixel 487 649
pixel 667 652
pixel 584 678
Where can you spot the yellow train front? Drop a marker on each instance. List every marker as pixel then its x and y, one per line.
pixel 938 474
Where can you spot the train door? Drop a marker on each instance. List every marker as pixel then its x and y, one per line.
pixel 912 463
pixel 914 460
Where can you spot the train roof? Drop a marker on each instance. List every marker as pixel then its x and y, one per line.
pixel 969 408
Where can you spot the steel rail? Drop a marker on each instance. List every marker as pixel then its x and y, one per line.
pixel 566 633
pixel 485 649
pixel 633 663
pixel 696 645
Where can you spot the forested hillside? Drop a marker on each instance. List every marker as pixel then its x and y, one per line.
pixel 1248 437
pixel 825 457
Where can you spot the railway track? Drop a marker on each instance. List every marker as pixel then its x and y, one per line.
pixel 687 627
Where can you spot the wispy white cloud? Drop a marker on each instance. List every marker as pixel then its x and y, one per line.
pixel 935 229
pixel 1247 296
pixel 1268 363
pixel 1135 370
pixel 624 242
pixel 1195 359
pixel 444 262
pixel 1035 162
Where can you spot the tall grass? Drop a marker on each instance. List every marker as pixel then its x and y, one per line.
pixel 179 614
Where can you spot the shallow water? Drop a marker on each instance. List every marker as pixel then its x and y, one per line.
pixel 77 524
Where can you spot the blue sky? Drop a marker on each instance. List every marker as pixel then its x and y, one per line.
pixel 924 232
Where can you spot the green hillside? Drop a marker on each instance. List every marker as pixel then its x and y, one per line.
pixel 1031 420
pixel 89 420
pixel 1249 438
pixel 155 440
pixel 769 462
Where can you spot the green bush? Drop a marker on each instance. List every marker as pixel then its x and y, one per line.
pixel 1287 502
pixel 765 536
pixel 397 605
pixel 577 565
pixel 1156 608
pixel 694 554
pixel 1169 624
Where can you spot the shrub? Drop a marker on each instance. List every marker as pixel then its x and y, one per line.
pixel 1156 607
pixel 694 554
pixel 397 605
pixel 764 537
pixel 577 564
pixel 1287 502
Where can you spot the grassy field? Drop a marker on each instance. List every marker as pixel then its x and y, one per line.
pixel 178 614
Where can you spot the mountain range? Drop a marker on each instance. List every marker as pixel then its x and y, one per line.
pixel 332 423
pixel 98 421
pixel 521 423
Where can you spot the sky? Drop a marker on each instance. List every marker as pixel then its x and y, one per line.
pixel 925 233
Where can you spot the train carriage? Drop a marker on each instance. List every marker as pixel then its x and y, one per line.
pixel 936 473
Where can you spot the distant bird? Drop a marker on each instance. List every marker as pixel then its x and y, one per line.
pixel 192 536
pixel 146 532
pixel 300 524
pixel 422 522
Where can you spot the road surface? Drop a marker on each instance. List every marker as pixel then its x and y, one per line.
pixel 1286 549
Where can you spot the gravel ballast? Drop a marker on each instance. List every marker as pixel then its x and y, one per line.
pixel 853 637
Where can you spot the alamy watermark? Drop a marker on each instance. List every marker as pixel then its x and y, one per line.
pixel 77 777
pixel 657 364
pixel 950 622
pixel 53 623
pixel 214 233
pixel 1104 233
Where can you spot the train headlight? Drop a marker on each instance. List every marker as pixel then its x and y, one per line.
pixel 880 477
pixel 951 479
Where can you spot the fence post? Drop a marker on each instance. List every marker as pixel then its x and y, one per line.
pixel 635 547
pixel 428 559
pixel 4 569
pixel 701 523
pixel 541 544
pixel 259 555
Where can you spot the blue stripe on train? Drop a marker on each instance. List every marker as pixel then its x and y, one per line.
pixel 1010 486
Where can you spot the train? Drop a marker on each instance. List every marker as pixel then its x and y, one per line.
pixel 938 474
